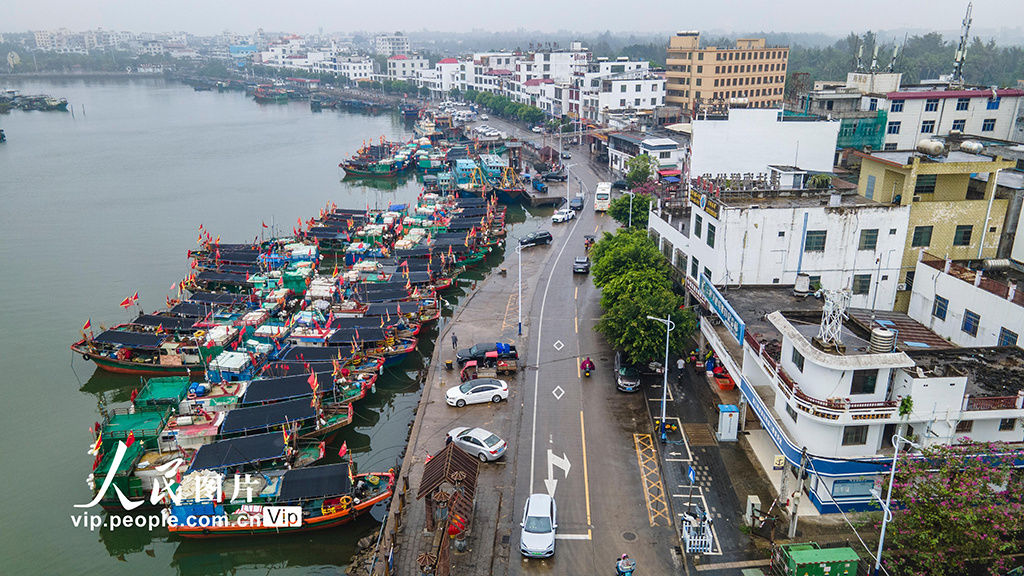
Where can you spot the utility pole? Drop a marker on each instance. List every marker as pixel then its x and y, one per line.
pixel 799 491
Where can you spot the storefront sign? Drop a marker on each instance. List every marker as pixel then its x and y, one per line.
pixel 721 307
pixel 694 290
pixel 701 200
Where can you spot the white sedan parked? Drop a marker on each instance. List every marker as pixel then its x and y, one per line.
pixel 485 444
pixel 477 391
pixel 563 215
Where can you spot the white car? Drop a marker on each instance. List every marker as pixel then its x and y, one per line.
pixel 539 523
pixel 537 130
pixel 485 117
pixel 563 215
pixel 485 444
pixel 477 391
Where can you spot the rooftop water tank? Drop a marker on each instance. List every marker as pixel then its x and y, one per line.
pixel 802 287
pixel 971 147
pixel 930 147
pixel 882 341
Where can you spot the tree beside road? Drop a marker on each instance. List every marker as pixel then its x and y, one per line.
pixel 620 208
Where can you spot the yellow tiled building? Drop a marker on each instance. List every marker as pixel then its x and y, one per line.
pixel 947 216
pixel 751 70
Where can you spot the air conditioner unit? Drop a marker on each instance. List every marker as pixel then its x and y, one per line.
pixel 917 198
pixel 901 287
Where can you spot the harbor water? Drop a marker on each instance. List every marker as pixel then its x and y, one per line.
pixel 104 201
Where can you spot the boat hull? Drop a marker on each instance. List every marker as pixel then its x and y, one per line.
pixel 128 367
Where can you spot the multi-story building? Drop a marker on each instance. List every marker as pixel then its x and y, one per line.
pixel 751 72
pixel 917 112
pixel 772 237
pixel 983 306
pixel 284 52
pixel 948 215
pixel 352 67
pixel 391 44
pixel 405 67
pixel 442 79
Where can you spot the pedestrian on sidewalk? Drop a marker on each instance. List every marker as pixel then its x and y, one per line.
pixel 455 341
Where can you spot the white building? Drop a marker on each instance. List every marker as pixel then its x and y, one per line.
pixel 285 52
pixel 769 237
pixel 842 404
pixel 391 44
pixel 967 307
pixel 750 139
pixel 404 67
pixel 351 67
pixel 918 112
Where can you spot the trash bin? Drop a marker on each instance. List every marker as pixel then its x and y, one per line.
pixel 449 364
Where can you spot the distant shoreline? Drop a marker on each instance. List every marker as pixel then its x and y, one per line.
pixel 66 75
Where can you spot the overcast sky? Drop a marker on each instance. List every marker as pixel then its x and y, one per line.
pixel 212 16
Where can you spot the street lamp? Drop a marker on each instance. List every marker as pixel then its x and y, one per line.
pixel 669 326
pixel 631 195
pixel 519 297
pixel 896 440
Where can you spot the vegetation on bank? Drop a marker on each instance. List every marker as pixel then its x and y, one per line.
pixel 635 282
pixel 502 106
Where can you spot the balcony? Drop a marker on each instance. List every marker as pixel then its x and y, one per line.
pixel 990 285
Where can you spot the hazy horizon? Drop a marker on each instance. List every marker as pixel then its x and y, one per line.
pixel 726 16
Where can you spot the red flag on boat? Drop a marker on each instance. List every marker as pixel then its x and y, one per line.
pixel 344 450
pixel 323 446
pixel 87 325
pixel 131 439
pixel 135 394
pixel 264 224
pixel 135 297
pixel 312 381
pixel 126 302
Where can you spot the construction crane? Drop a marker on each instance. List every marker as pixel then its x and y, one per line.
pixel 961 51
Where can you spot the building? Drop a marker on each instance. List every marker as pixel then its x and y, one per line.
pixel 748 140
pixel 969 307
pixel 442 79
pixel 404 67
pixel 750 72
pixel 391 44
pixel 667 151
pixel 829 392
pixel 918 112
pixel 771 237
pixel 948 216
pixel 859 129
pixel 352 67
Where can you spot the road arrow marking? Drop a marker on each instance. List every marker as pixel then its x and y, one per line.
pixel 562 462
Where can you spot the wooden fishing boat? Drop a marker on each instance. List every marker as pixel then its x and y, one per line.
pixel 127 349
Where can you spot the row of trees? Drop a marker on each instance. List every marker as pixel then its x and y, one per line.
pixel 634 279
pixel 503 106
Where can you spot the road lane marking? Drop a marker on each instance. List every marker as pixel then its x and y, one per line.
pixel 586 536
pixel 596 226
pixel 536 374
pixel 558 392
pixel 579 363
pixel 654 493
pixel 576 321
pixel 586 477
pixel 576 293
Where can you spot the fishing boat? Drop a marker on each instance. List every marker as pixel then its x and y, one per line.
pixel 470 178
pixel 328 496
pixel 125 349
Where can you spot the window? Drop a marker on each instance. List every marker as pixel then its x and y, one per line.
pixel 922 236
pixel 711 235
pixel 707 273
pixel 869 191
pixel 798 359
pixel 893 128
pixel 988 124
pixel 1005 424
pixel 861 283
pixel 970 323
pixel 792 413
pixel 931 105
pixel 815 282
pixel 889 146
pixel 697 223
pixel 1006 338
pixel 925 184
pixel 814 241
pixel 964 426
pixel 782 233
pixel 868 239
pixel 992 104
pixel 622 102
pixel 962 103
pixel 959 125
pixel 928 126
pixel 909 280
pixel 694 267
pixel 864 381
pixel 873 104
pixel 939 307
pixel 896 106
pixel 855 435
pixel 962 236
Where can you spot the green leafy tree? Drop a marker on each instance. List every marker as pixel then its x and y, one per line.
pixel 619 209
pixel 961 510
pixel 626 326
pixel 639 169
pixel 616 254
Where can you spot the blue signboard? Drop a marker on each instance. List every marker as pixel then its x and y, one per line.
pixel 721 307
pixel 692 475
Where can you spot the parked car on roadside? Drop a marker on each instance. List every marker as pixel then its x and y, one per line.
pixel 484 444
pixel 563 215
pixel 479 391
pixel 537 130
pixel 555 177
pixel 620 185
pixel 536 238
pixel 627 377
pixel 576 203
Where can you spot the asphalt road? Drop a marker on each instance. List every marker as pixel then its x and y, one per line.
pixel 575 436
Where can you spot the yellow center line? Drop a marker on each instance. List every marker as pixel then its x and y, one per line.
pixel 586 478
pixel 578 362
pixel 576 293
pixel 596 226
pixel 577 322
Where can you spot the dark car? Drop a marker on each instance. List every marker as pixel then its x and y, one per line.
pixel 566 156
pixel 576 203
pixel 627 377
pixel 581 265
pixel 479 352
pixel 535 238
pixel 555 177
pixel 539 186
pixel 620 185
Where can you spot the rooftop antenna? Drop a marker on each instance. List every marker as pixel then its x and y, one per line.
pixel 830 334
pixel 895 54
pixel 961 52
pixel 874 58
pixel 860 54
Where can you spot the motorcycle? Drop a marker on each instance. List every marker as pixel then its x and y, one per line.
pixel 625 566
pixel 586 372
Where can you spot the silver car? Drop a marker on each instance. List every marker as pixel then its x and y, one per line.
pixel 539 523
pixel 487 446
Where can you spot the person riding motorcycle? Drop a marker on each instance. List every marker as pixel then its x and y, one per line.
pixel 625 566
pixel 587 365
